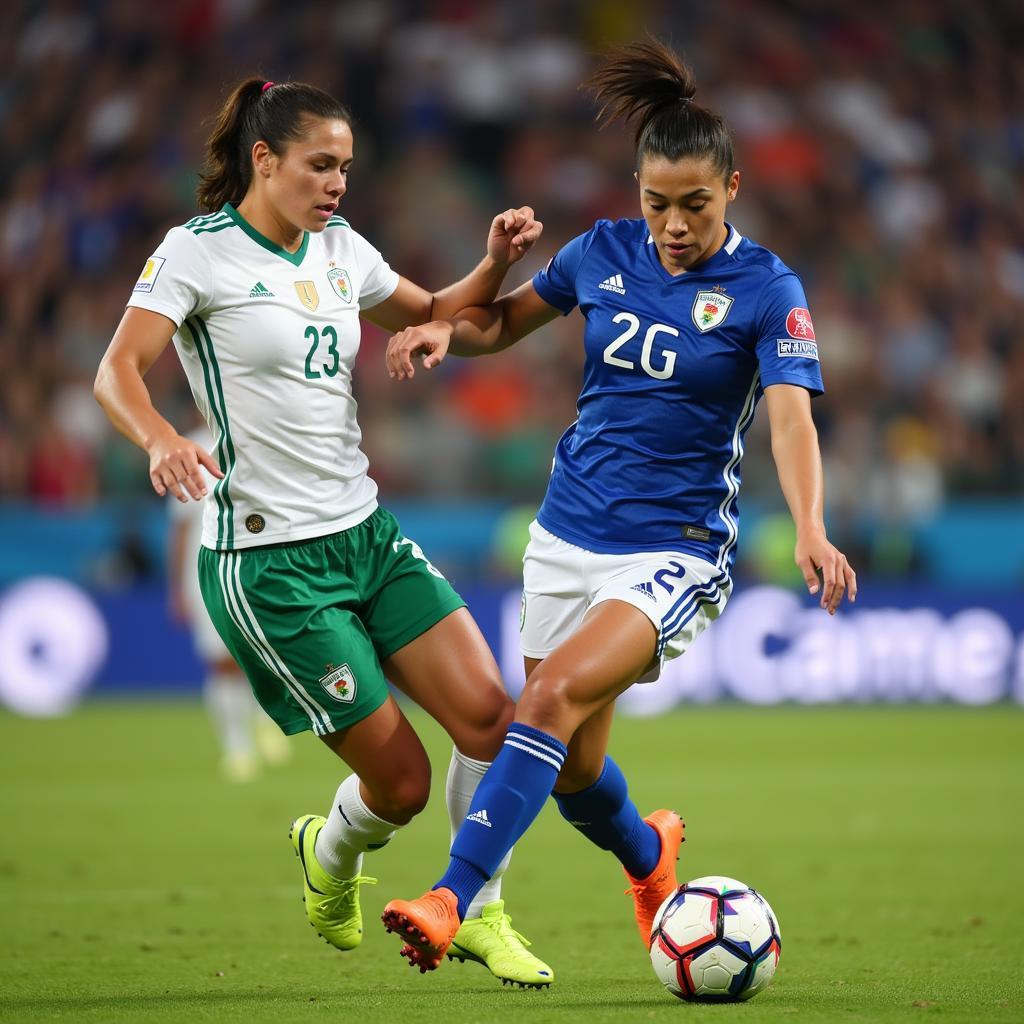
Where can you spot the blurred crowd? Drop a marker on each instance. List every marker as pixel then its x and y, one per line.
pixel 881 154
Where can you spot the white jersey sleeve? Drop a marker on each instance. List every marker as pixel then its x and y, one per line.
pixel 176 280
pixel 379 280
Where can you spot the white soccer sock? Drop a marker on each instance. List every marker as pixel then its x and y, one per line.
pixel 464 775
pixel 351 829
pixel 229 701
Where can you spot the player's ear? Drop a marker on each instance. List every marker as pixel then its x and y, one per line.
pixel 732 186
pixel 261 158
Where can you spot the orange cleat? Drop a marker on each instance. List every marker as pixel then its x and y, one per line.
pixel 649 893
pixel 427 925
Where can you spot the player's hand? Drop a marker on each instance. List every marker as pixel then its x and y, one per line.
pixel 512 235
pixel 174 463
pixel 428 342
pixel 815 553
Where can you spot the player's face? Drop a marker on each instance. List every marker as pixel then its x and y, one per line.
pixel 683 202
pixel 310 177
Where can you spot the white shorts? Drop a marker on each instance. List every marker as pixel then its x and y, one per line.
pixel 681 594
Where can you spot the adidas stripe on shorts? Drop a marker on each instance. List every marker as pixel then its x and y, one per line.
pixel 680 593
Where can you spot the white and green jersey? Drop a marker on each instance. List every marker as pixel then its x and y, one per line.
pixel 268 339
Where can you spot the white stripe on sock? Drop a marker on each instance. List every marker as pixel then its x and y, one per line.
pixel 557 765
pixel 548 748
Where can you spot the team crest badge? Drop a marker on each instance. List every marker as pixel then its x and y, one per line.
pixel 339 683
pixel 710 308
pixel 307 294
pixel 341 284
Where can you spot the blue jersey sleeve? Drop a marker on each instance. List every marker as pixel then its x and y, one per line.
pixel 787 350
pixel 556 283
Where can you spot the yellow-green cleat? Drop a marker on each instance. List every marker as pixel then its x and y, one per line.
pixel 332 904
pixel 492 941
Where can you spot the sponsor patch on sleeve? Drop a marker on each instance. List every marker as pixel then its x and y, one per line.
pixel 799 349
pixel 149 274
pixel 798 323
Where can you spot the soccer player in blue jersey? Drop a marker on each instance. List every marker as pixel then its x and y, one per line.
pixel 688 324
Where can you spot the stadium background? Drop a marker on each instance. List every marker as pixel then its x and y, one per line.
pixel 882 149
pixel 881 159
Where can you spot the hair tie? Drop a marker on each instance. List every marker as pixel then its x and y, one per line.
pixel 687 100
pixel 266 86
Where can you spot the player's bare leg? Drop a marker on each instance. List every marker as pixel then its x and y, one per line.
pixel 450 672
pixel 390 786
pixel 569 687
pixel 577 797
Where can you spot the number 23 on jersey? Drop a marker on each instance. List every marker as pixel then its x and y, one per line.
pixel 315 358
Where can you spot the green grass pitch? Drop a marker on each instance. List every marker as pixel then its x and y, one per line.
pixel 135 885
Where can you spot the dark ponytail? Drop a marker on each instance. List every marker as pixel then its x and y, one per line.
pixel 648 85
pixel 257 110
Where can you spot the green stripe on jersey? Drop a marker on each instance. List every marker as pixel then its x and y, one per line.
pixel 225 447
pixel 206 221
pixel 337 222
pixel 221 458
pixel 222 485
pixel 211 228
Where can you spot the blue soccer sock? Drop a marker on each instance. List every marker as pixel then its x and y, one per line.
pixel 605 814
pixel 507 800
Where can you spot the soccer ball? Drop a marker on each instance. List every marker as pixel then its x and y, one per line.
pixel 715 939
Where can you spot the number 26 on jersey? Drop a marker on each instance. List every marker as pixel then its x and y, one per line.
pixel 666 356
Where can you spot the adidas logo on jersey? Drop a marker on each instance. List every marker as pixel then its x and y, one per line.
pixel 480 817
pixel 646 589
pixel 260 291
pixel 613 284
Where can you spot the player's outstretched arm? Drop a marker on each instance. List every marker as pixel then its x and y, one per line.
pixel 476 331
pixel 174 460
pixel 512 235
pixel 798 461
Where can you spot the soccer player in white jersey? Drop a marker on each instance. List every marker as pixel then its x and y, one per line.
pixel 247 736
pixel 687 325
pixel 312 586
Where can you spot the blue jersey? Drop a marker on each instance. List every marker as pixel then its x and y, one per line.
pixel 675 366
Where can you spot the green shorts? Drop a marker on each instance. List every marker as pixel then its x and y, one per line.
pixel 311 621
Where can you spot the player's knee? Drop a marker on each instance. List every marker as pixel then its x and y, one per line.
pixel 496 718
pixel 484 723
pixel 548 703
pixel 402 799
